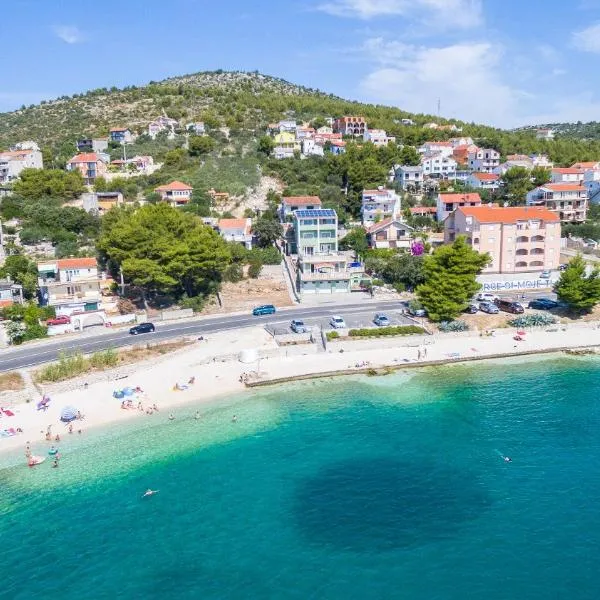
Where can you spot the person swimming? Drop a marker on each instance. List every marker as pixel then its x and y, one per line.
pixel 507 459
pixel 150 492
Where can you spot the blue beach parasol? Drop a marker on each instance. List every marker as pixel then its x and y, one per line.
pixel 68 414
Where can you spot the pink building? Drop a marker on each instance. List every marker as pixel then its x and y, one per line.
pixel 448 203
pixel 90 165
pixel 518 239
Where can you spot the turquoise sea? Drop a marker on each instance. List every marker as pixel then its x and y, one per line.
pixel 358 487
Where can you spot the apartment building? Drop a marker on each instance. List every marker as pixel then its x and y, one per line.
pixel 518 239
pixel 448 203
pixel 290 204
pixel 121 135
pixel 163 123
pixel 90 164
pixel 567 175
pixel 390 233
pixel 484 160
pixel 438 166
pixel 10 293
pixel 379 204
pixel 350 126
pixel 484 181
pixel 568 200
pixel 378 137
pixel 444 148
pixel 409 177
pixel 69 284
pixel 17 159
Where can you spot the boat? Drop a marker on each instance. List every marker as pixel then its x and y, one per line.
pixel 35 460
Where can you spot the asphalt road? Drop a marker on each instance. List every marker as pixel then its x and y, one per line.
pixel 360 314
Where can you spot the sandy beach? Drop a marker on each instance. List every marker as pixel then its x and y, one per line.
pixel 217 371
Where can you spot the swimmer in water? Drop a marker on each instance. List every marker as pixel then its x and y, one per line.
pixel 507 459
pixel 150 492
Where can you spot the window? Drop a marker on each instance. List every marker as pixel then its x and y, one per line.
pixel 491 240
pixel 476 240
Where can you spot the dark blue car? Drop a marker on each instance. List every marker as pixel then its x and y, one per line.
pixel 543 304
pixel 265 309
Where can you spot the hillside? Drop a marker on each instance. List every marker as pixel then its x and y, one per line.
pixel 578 130
pixel 233 99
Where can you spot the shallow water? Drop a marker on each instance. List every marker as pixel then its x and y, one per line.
pixel 347 488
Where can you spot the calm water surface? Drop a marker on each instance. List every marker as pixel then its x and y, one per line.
pixel 390 487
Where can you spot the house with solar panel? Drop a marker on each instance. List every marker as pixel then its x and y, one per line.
pixel 321 268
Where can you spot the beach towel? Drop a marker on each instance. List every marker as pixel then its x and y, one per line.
pixel 8 413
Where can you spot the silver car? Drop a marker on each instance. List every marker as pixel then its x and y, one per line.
pixel 488 307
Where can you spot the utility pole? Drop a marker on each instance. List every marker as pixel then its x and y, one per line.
pixel 439 107
pixel 122 281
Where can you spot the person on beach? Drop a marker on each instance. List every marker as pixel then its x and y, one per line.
pixel 48 437
pixel 191 380
pixel 197 415
pixel 140 406
pixel 85 385
pixel 171 417
pixel 424 351
pixel 154 407
pixel 57 438
pixel 70 427
pixel 418 353
pixel 234 419
pixel 55 462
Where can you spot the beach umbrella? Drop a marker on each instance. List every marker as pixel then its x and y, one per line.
pixel 68 414
pixel 128 391
pixel 118 394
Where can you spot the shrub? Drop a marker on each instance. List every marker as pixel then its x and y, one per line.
pixel 196 303
pixel 378 282
pixel 332 335
pixel 254 269
pixel 383 331
pixel 71 365
pixel 451 326
pixel 268 256
pixel 415 305
pixel 399 287
pixel 233 273
pixel 533 321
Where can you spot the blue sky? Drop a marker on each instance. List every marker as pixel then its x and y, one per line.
pixel 502 62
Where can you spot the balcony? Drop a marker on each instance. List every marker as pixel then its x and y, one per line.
pixel 332 275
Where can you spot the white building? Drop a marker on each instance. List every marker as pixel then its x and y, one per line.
pixel 567 175
pixel 484 160
pixel 438 166
pixel 568 200
pixel 198 127
pixel 236 230
pixel 19 158
pixel 484 181
pixel 378 137
pixel 162 123
pixel 287 125
pixel 408 176
pixel 311 148
pixel 379 204
pixel 544 134
pixel 461 141
pixel 444 148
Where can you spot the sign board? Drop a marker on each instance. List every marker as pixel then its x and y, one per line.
pixel 511 285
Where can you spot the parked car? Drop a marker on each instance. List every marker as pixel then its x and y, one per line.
pixel 562 267
pixel 543 304
pixel 337 322
pixel 298 326
pixel 546 274
pixel 489 307
pixel 60 320
pixel 142 328
pixel 472 309
pixel 417 312
pixel 486 297
pixel 381 320
pixel 511 306
pixel 265 309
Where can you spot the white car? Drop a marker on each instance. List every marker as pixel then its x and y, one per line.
pixel 337 322
pixel 486 297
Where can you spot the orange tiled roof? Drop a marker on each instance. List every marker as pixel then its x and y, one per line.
pixel 234 224
pixel 564 187
pixel 76 263
pixel 119 129
pixel 585 165
pixel 507 215
pixel 85 157
pixel 174 186
pixel 567 171
pixel 301 200
pixel 486 176
pixel 418 210
pixel 454 198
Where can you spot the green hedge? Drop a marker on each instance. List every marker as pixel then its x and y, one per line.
pixel 533 321
pixel 381 331
pixel 332 335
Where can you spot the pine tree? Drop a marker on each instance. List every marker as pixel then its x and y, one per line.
pixel 450 279
pixel 580 291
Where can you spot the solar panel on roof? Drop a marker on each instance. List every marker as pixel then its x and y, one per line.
pixel 316 212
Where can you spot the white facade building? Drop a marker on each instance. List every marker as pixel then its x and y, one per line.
pixel 439 166
pixel 484 160
pixel 444 148
pixel 19 158
pixel 378 137
pixel 568 175
pixel 408 176
pixel 379 204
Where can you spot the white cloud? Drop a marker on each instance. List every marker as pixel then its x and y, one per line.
pixel 69 34
pixel 587 40
pixel 465 77
pixel 451 13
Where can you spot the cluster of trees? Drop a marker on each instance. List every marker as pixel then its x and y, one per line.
pixel 163 251
pixel 576 287
pixel 518 181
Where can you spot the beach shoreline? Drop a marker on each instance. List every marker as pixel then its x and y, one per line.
pixel 218 373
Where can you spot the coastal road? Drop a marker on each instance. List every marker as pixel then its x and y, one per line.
pixel 39 353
